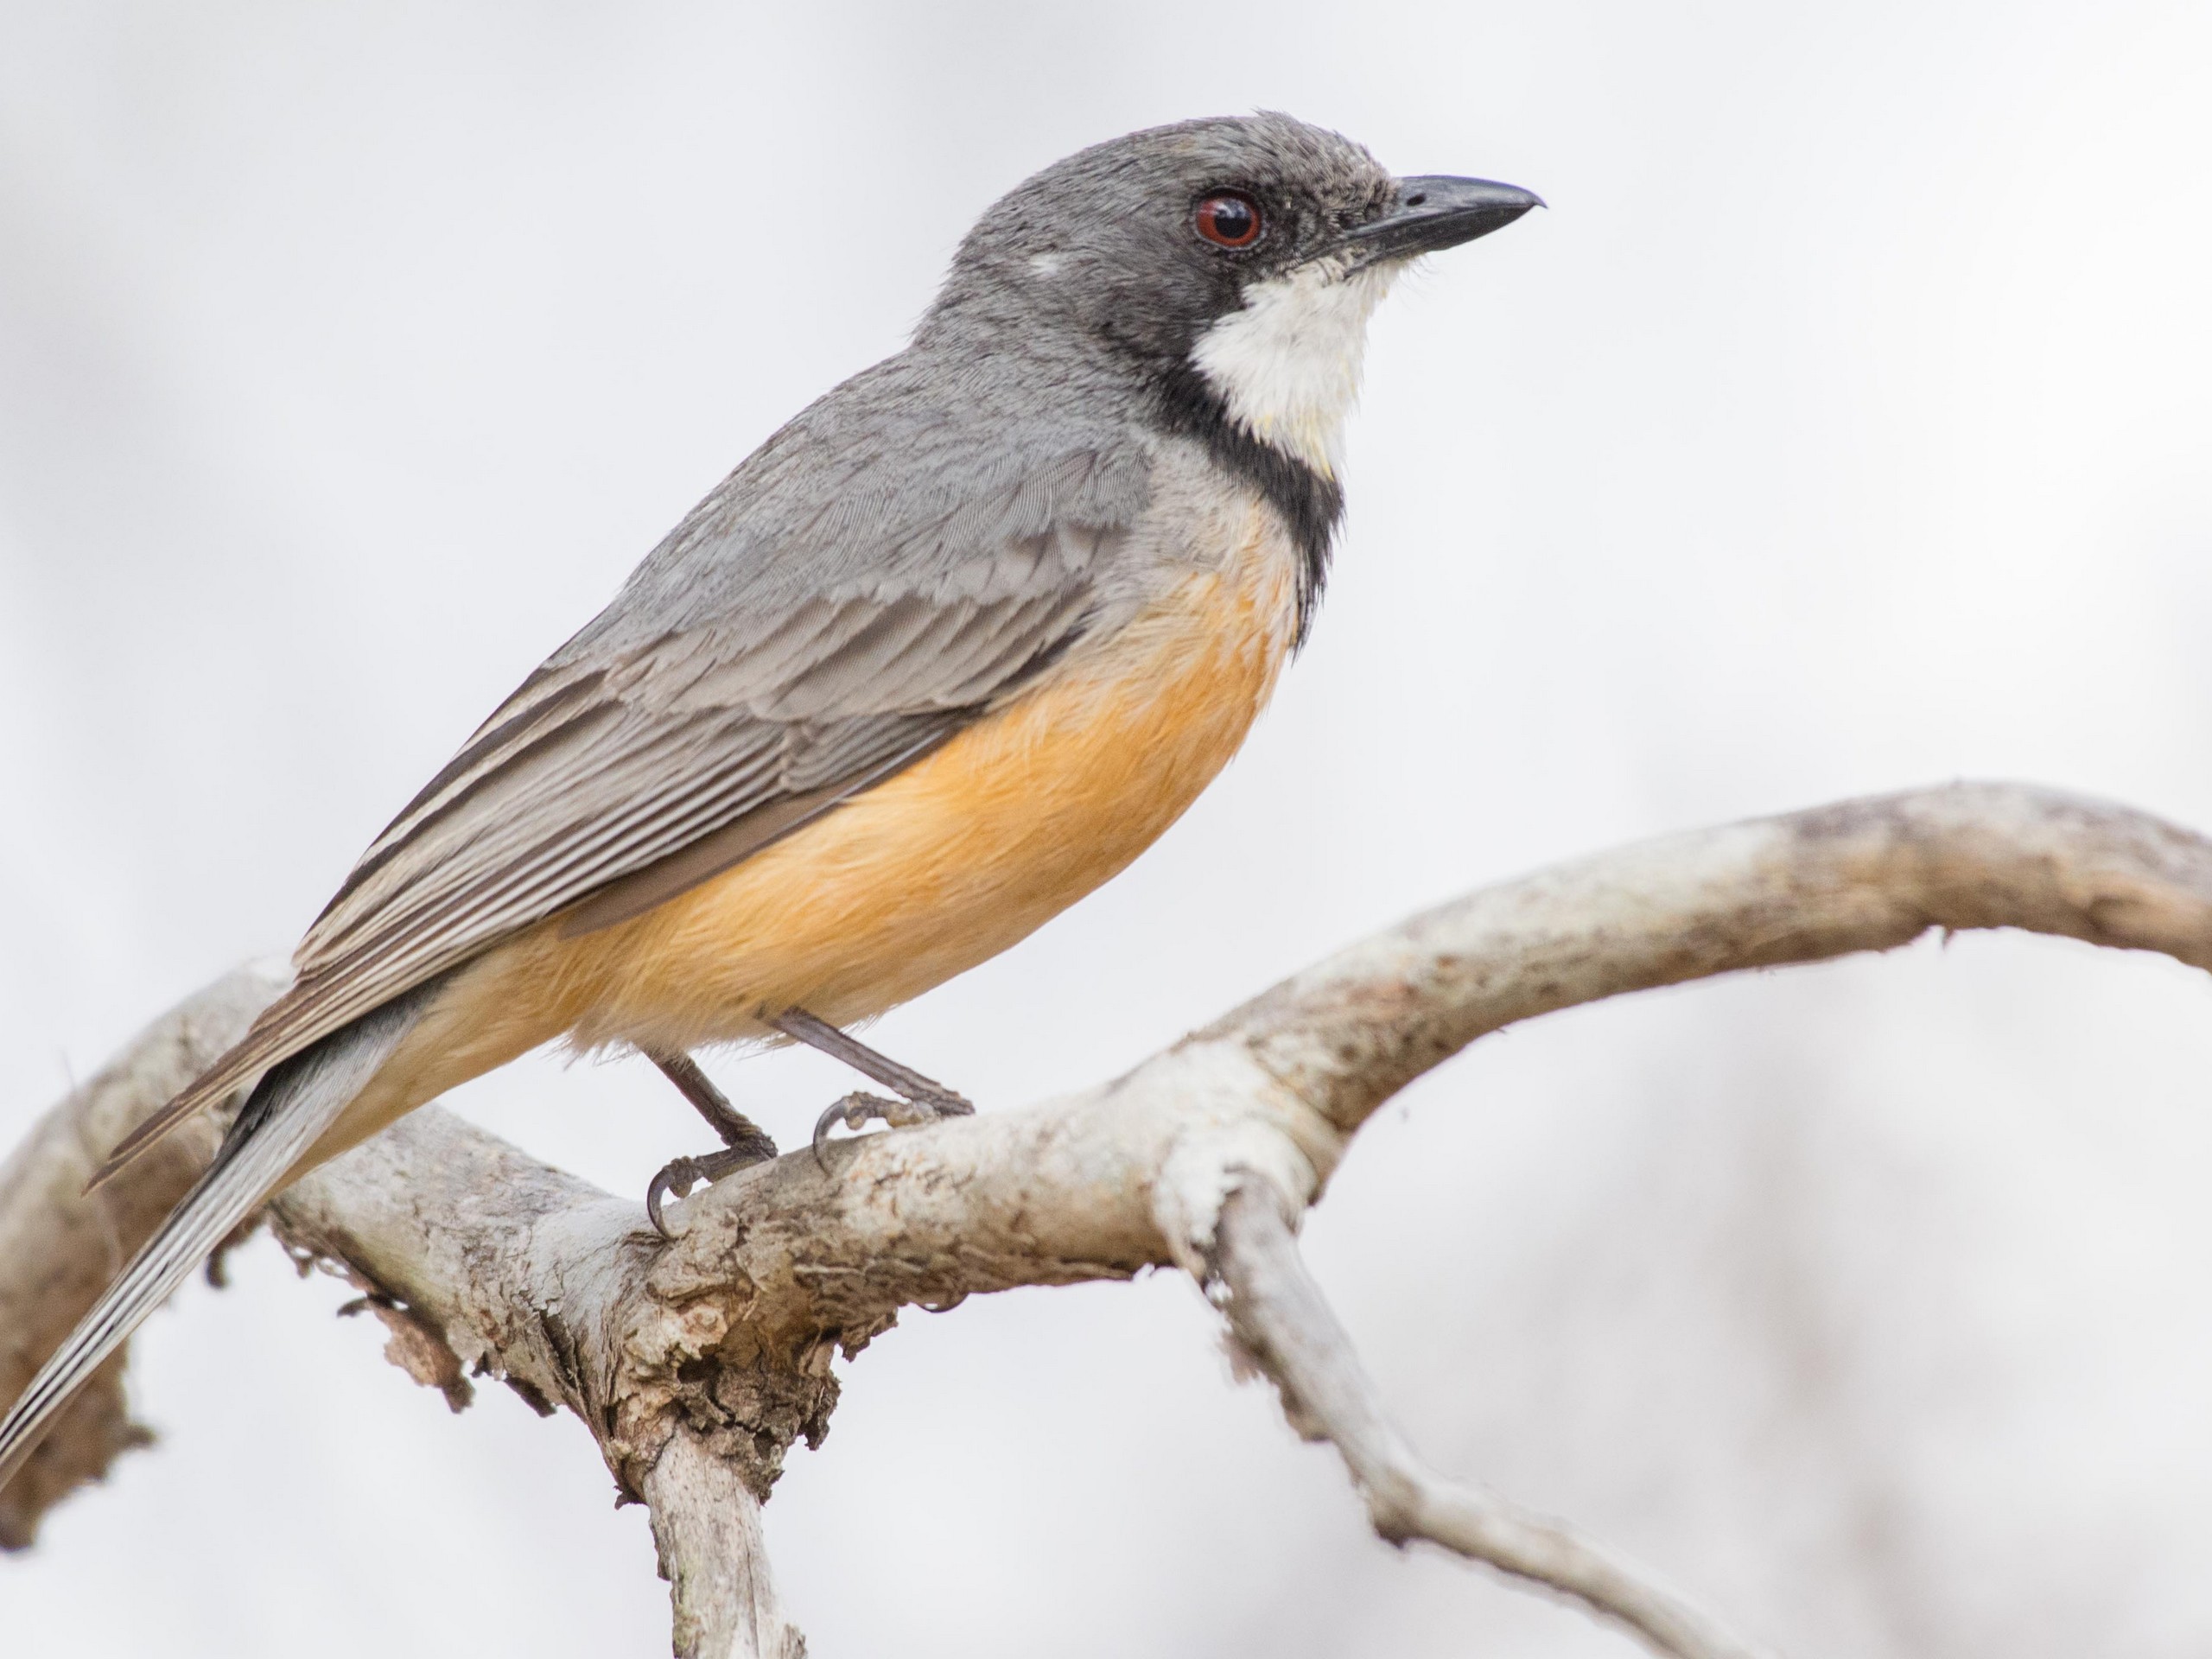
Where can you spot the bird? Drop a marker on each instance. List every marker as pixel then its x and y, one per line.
pixel 943 654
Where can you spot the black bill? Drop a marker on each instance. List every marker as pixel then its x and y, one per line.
pixel 1437 212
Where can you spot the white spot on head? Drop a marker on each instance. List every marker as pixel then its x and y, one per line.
pixel 1287 362
pixel 1045 265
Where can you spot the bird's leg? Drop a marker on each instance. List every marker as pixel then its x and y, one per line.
pixel 744 1142
pixel 921 1100
pixel 737 1131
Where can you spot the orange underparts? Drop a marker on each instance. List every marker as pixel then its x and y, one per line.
pixel 938 868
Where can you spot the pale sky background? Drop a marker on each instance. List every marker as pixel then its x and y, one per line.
pixel 1842 426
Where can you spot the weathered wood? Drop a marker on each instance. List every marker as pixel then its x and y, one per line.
pixel 695 1363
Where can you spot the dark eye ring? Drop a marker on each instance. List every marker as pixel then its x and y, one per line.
pixel 1228 221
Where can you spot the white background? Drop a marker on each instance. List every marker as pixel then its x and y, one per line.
pixel 1842 426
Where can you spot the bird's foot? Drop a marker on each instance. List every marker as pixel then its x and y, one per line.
pixel 911 1111
pixel 679 1175
pixel 919 1099
pixel 744 1142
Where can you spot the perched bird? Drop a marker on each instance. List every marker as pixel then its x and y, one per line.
pixel 940 657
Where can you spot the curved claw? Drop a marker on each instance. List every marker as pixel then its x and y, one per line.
pixel 847 1111
pixel 858 1108
pixel 677 1177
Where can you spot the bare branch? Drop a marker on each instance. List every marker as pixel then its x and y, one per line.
pixel 707 1525
pixel 1280 1320
pixel 1860 876
pixel 518 1270
pixel 58 1248
pixel 695 1364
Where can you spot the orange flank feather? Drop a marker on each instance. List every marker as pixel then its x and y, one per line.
pixel 920 878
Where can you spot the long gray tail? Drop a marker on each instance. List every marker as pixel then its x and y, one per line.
pixel 287 1113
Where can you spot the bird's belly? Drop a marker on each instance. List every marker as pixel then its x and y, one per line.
pixel 937 868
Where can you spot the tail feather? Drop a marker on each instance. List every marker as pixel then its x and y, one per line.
pixel 287 1113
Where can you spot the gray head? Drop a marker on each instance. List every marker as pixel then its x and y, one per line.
pixel 1210 280
pixel 1229 265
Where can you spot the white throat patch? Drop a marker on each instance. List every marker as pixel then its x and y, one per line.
pixel 1287 362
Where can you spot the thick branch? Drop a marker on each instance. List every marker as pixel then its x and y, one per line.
pixel 716 1348
pixel 497 1263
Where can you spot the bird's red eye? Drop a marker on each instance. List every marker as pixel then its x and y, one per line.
pixel 1229 221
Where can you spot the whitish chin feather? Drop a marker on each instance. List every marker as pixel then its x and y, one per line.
pixel 1288 363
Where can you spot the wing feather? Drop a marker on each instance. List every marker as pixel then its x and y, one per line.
pixel 632 768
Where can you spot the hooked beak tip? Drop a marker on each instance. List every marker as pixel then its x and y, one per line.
pixel 1436 210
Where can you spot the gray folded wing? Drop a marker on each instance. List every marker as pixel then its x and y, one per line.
pixel 599 771
pixel 641 759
